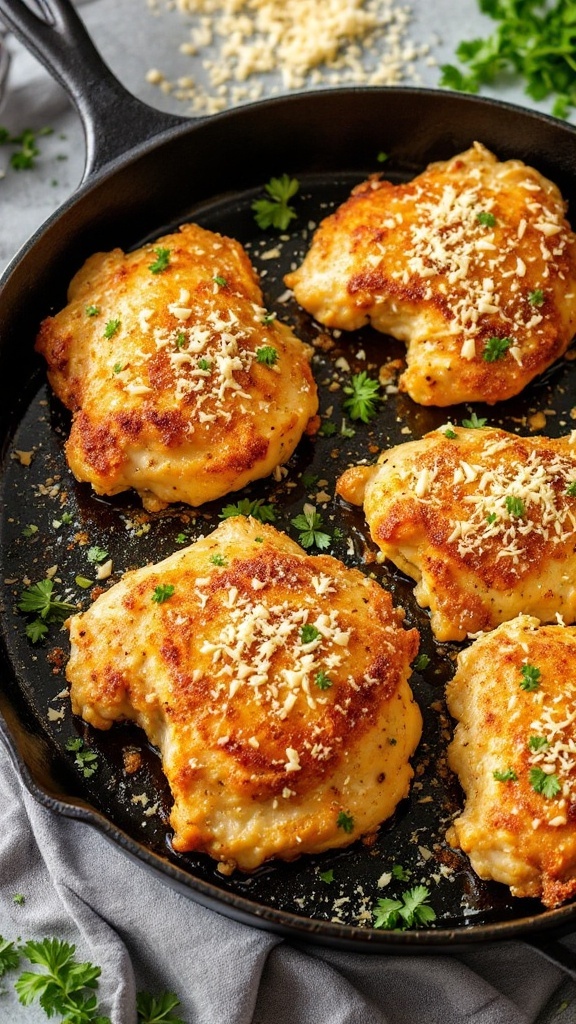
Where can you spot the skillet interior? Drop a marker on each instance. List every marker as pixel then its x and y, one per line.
pixel 329 141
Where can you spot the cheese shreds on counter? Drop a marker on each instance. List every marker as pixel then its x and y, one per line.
pixel 297 45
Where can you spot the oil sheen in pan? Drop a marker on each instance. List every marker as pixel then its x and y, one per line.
pixel 50 522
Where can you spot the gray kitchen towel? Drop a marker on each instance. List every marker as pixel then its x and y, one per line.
pixel 77 886
pixel 146 937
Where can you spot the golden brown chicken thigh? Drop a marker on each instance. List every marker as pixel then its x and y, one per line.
pixel 181 384
pixel 483 520
pixel 514 750
pixel 274 683
pixel 472 264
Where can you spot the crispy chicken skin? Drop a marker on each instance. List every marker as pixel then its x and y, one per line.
pixel 472 264
pixel 514 697
pixel 274 683
pixel 181 385
pixel 483 520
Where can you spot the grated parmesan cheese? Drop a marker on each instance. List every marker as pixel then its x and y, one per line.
pixel 240 44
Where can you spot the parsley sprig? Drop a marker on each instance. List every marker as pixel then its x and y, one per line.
pixel 39 600
pixel 257 509
pixel 66 987
pixel 276 212
pixel 409 911
pixel 363 395
pixel 310 523
pixel 535 41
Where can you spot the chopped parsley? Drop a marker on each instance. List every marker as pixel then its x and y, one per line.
pixel 536 743
pixel 204 364
pixel 475 422
pixel 180 339
pixel 257 509
pixel 400 873
pixel 19 899
pixel 450 434
pixel 422 662
pixel 345 821
pixel 218 559
pixel 323 681
pixel 363 395
pixel 118 367
pixel 326 876
pixel 491 517
pixel 181 538
pixel 409 911
pixel 309 633
pixel 541 782
pixel 530 678
pixel 310 523
pixel 508 775
pixel 29 530
pixel 495 348
pixel 112 326
pixel 486 219
pixel 39 599
pixel 161 262
pixel 24 158
pixel 92 310
pixel 85 759
pixel 382 158
pixel 275 211
pixel 220 281
pixel 267 355
pixel 536 298
pixel 83 581
pixel 269 318
pixel 571 489
pixel 162 592
pixel 515 506
pixel 96 554
pixel 328 429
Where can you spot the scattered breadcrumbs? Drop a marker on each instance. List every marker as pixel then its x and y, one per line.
pixel 240 46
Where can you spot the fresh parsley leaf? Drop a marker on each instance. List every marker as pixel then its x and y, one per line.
pixel 96 554
pixel 218 559
pixel 310 523
pixel 530 678
pixel 204 364
pixel 267 354
pixel 515 506
pixel 61 987
pixel 491 517
pixel 309 633
pixel 507 775
pixel 220 281
pixel 345 821
pixel 421 662
pixel 39 599
pixel 495 348
pixel 450 434
pixel 541 782
pixel 181 538
pixel 161 262
pixel 29 530
pixel 112 326
pixel 118 367
pixel 36 630
pixel 83 581
pixel 162 592
pixel 157 1009
pixel 85 759
pixel 322 680
pixel 276 212
pixel 532 40
pixel 9 956
pixel 328 429
pixel 256 509
pixel 476 422
pixel 269 318
pixel 570 490
pixel 536 298
pixel 536 743
pixel 363 395
pixel 400 873
pixel 326 876
pixel 181 341
pixel 19 899
pixel 411 910
pixel 92 310
pixel 486 219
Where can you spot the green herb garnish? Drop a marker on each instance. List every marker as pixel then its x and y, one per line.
pixel 309 633
pixel 363 395
pixel 421 662
pixel 276 212
pixel 267 354
pixel 487 220
pixel 92 310
pixel 530 678
pixel 536 298
pixel 475 422
pixel 257 509
pixel 218 559
pixel 536 743
pixel 409 911
pixel 97 554
pixel 515 506
pixel 345 821
pixel 507 775
pixel 39 599
pixel 161 262
pixel 162 592
pixel 495 348
pixel 220 281
pixel 323 681
pixel 541 782
pixel 85 759
pixel 310 523
pixel 111 328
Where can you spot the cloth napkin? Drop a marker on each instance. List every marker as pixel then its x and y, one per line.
pixel 80 888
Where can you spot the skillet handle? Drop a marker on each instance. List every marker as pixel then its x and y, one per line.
pixel 114 120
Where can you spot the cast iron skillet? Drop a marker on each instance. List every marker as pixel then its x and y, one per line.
pixel 147 172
